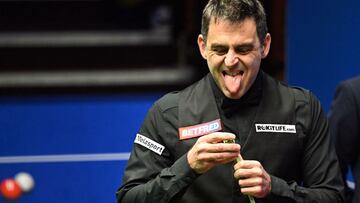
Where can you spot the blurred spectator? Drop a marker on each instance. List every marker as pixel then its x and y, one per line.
pixel 345 127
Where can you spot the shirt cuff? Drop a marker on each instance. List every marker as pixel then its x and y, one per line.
pixel 280 187
pixel 182 169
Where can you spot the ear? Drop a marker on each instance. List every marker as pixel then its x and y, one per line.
pixel 202 46
pixel 266 46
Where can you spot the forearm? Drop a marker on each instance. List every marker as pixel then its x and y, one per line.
pixel 293 192
pixel 169 183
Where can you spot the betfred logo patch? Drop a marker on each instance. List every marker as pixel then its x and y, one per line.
pixel 199 130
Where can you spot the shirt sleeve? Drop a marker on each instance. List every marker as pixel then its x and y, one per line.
pixel 149 176
pixel 322 181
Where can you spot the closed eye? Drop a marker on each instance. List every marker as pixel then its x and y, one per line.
pixel 219 49
pixel 244 50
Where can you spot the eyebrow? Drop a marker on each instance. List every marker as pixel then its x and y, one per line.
pixel 245 45
pixel 217 45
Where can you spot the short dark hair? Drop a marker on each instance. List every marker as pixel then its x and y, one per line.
pixel 235 11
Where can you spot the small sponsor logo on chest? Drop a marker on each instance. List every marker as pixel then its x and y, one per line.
pixel 199 130
pixel 278 128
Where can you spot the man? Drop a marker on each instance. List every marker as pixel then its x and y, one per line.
pixel 345 127
pixel 179 154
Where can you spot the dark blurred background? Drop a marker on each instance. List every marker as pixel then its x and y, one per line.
pixel 49 46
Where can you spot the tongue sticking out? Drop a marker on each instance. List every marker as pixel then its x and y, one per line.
pixel 232 83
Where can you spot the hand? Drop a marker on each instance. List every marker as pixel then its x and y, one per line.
pixel 252 178
pixel 209 151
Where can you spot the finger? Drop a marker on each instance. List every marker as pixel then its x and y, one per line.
pixel 251 182
pixel 253 191
pixel 247 164
pixel 217 137
pixel 220 147
pixel 217 157
pixel 225 161
pixel 256 191
pixel 248 173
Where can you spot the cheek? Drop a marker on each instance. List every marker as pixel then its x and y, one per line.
pixel 252 62
pixel 215 61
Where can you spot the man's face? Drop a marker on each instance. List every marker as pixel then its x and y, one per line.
pixel 233 53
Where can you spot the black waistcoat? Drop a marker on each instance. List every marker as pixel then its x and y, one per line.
pixel 279 153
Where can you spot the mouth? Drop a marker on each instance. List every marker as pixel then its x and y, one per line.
pixel 232 82
pixel 233 73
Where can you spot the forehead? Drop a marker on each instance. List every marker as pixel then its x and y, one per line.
pixel 225 30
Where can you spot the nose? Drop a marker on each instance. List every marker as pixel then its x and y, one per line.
pixel 231 59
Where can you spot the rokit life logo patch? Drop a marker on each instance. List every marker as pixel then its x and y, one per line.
pixel 279 128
